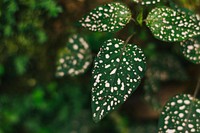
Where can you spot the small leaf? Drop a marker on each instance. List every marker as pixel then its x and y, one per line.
pixel 140 17
pixel 181 114
pixel 21 63
pixel 169 25
pixel 75 58
pixel 191 50
pixel 110 17
pixel 118 71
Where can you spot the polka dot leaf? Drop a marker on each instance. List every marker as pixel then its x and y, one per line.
pixel 169 25
pixel 185 11
pixel 147 2
pixel 118 71
pixel 162 68
pixel 107 18
pixel 181 114
pixel 165 67
pixel 191 50
pixel 75 58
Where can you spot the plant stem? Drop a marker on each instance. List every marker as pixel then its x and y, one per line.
pixel 133 20
pixel 197 88
pixel 192 104
pixel 128 39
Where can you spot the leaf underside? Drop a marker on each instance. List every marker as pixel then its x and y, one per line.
pixel 75 58
pixel 108 18
pixel 169 25
pixel 181 114
pixel 191 50
pixel 117 72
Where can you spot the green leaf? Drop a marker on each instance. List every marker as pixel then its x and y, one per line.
pixel 151 88
pixel 181 114
pixel 169 25
pixel 178 8
pixel 140 17
pixel 75 58
pixel 191 50
pixel 51 7
pixel 118 70
pixel 183 10
pixel 21 63
pixel 166 67
pixel 147 2
pixel 108 18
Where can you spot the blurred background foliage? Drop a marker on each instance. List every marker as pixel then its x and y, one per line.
pixel 32 99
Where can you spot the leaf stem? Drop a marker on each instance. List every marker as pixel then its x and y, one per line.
pixel 197 88
pixel 192 104
pixel 133 20
pixel 129 38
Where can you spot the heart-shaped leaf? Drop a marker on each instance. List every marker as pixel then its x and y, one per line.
pixel 117 72
pixel 75 58
pixel 169 25
pixel 181 114
pixel 110 17
pixel 191 50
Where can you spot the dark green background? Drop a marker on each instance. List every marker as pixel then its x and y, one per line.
pixel 33 100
